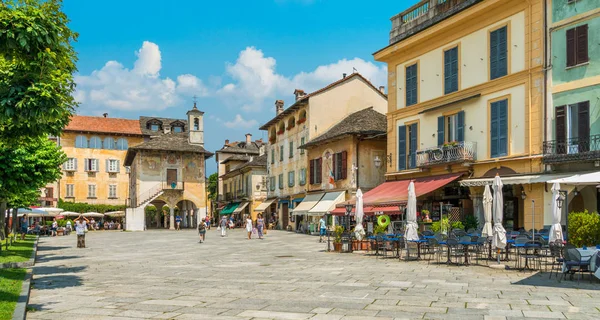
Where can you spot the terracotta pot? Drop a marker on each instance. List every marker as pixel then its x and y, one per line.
pixel 337 247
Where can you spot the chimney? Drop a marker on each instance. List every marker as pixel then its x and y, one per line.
pixel 226 142
pixel 248 138
pixel 343 76
pixel 105 115
pixel 299 93
pixel 382 89
pixel 278 106
pixel 167 128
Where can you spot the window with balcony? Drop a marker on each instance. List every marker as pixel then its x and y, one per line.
pixel 451 128
pixel 498 53
pixel 451 70
pixel 291 179
pixel 70 191
pixel 91 165
pixel 112 166
pixel 499 128
pixel 70 164
pixel 112 191
pixel 92 191
pixel 577 46
pixel 572 128
pixel 408 136
pixel 316 173
pixel 412 85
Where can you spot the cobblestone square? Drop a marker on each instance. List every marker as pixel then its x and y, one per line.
pixel 169 275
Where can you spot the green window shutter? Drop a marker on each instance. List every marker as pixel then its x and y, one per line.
pixel 441 136
pixel 402 148
pixel 460 126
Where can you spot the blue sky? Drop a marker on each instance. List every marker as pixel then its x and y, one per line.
pixel 151 57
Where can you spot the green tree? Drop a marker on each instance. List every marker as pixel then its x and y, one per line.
pixel 151 214
pixel 213 184
pixel 37 62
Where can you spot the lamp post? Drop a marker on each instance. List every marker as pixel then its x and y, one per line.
pixel 401 207
pixel 348 212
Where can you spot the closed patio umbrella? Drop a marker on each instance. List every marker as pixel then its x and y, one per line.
pixel 359 231
pixel 556 229
pixel 499 234
pixel 411 215
pixel 487 212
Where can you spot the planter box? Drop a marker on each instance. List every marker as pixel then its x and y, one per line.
pixel 361 245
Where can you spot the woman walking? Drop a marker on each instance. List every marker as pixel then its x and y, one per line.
pixel 202 230
pixel 260 225
pixel 80 228
pixel 249 227
pixel 223 226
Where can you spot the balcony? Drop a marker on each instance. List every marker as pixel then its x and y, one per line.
pixel 423 15
pixel 571 150
pixel 179 185
pixel 459 152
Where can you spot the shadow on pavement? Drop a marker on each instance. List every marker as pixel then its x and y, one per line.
pixel 541 280
pixel 43 270
pixel 51 248
pixel 52 257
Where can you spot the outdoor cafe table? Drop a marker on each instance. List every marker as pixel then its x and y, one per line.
pixel 527 247
pixel 589 253
pixel 466 250
pixel 419 243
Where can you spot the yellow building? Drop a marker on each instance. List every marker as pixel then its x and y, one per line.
pixel 466 89
pixel 247 181
pixel 310 116
pixel 95 149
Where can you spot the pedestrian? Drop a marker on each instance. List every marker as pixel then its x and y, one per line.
pixel 202 230
pixel 223 226
pixel 177 222
pixel 322 228
pixel 249 227
pixel 69 227
pixel 92 224
pixel 80 228
pixel 260 225
pixel 24 226
pixel 54 227
pixel 207 220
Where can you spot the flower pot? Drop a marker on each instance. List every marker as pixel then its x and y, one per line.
pixel 337 246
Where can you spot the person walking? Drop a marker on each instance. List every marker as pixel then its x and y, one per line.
pixel 322 228
pixel 54 227
pixel 24 226
pixel 260 225
pixel 223 226
pixel 249 227
pixel 80 228
pixel 177 222
pixel 207 222
pixel 202 230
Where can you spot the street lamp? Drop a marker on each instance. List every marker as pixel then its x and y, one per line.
pixel 348 211
pixel 401 207
pixel 560 203
pixel 523 194
pixel 377 162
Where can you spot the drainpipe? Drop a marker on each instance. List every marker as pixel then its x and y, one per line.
pixel 546 58
pixel 357 157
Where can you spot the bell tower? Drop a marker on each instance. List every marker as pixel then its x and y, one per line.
pixel 196 126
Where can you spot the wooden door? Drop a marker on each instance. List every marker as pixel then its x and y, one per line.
pixel 171 176
pixel 285 215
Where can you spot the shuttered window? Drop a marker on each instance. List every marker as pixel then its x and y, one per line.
pixel 412 145
pixel 583 121
pixel 451 70
pixel 280 153
pixel 112 166
pixel 451 128
pixel 402 148
pixel 70 164
pixel 577 46
pixel 272 183
pixel 499 129
pixel 316 171
pixel 411 85
pixel 280 178
pixel 70 191
pixel 91 191
pixel 112 191
pixel 340 166
pixel 291 149
pixel 91 165
pixel 498 53
pixel 302 177
pixel 291 178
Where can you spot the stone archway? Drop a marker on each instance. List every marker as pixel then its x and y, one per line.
pixel 159 219
pixel 188 212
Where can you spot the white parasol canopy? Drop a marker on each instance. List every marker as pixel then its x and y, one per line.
pixel 70 214
pixel 499 234
pixel 411 233
pixel 487 212
pixel 52 211
pixel 359 231
pixel 93 215
pixel 556 229
pixel 115 214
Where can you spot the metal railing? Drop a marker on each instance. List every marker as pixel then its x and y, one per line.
pixel 179 185
pixel 575 149
pixel 458 152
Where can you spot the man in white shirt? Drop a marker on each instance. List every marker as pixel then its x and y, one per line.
pixel 80 228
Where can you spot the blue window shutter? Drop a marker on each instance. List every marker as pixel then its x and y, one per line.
pixel 502 53
pixel 460 126
pixel 503 127
pixel 411 85
pixel 402 148
pixel 493 55
pixel 440 132
pixel 413 145
pixel 455 69
pixel 447 72
pixel 494 130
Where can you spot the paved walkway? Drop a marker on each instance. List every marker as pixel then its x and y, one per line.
pixel 169 275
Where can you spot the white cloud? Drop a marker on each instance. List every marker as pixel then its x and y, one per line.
pixel 241 123
pixel 116 87
pixel 256 80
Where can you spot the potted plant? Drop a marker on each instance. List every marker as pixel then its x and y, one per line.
pixel 426 217
pixel 337 238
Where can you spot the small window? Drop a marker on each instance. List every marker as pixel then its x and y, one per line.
pixel 280 178
pixel 302 141
pixel 109 143
pixel 112 166
pixel 112 191
pixel 122 144
pixel 95 143
pixel 291 149
pixel 81 142
pixel 272 183
pixel 71 164
pixel 154 127
pixel 273 156
pixel 196 124
pixel 91 191
pixel 577 46
pixel 70 191
pixel 280 153
pixel 177 129
pixel 302 177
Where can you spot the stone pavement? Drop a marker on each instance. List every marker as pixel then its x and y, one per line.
pixel 169 275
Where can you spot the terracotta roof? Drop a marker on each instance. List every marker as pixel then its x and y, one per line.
pixel 176 142
pixel 363 122
pixel 304 99
pixel 104 125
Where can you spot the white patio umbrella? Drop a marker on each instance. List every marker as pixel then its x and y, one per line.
pixel 359 231
pixel 410 232
pixel 52 211
pixel 487 212
pixel 115 214
pixel 93 215
pixel 70 214
pixel 499 234
pixel 556 229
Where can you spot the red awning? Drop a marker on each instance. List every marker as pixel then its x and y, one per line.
pixel 342 211
pixel 389 210
pixel 392 193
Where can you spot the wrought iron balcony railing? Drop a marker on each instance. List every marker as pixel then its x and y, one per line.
pixel 576 149
pixel 179 185
pixel 464 151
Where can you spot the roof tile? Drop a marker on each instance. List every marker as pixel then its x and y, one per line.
pixel 104 125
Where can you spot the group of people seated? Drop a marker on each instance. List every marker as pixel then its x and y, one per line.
pixel 106 225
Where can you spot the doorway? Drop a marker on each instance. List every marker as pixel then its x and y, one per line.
pixel 171 176
pixel 285 215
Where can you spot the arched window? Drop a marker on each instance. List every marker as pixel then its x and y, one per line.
pixel 122 144
pixel 196 124
pixel 81 142
pixel 302 117
pixel 95 142
pixel 291 123
pixel 281 129
pixel 109 143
